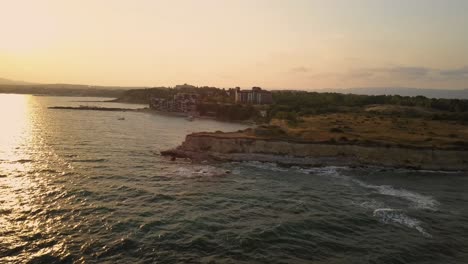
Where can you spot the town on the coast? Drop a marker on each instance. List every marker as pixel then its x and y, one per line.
pixel 188 103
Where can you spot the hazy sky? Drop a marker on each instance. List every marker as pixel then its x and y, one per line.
pixel 226 43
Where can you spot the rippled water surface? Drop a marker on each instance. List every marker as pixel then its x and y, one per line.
pixel 86 187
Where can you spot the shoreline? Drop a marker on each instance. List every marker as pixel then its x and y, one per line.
pixel 142 110
pixel 93 108
pixel 185 115
pixel 201 147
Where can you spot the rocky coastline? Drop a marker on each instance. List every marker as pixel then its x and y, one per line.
pixel 226 147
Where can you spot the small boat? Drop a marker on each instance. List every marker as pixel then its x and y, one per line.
pixel 121 118
pixel 190 118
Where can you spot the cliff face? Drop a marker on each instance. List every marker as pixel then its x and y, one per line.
pixel 211 146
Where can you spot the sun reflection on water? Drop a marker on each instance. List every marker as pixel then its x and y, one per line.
pixel 15 125
pixel 15 137
pixel 14 163
pixel 23 155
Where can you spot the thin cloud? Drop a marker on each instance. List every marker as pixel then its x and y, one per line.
pixel 300 69
pixel 392 75
pixel 397 71
pixel 458 72
pixel 408 72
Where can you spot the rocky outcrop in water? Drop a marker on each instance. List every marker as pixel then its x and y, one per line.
pixel 219 147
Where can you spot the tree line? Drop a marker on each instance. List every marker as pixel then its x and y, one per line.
pixel 310 101
pixel 291 105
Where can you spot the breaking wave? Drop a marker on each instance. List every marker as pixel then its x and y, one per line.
pixel 417 200
pixel 199 171
pixel 265 166
pixel 389 215
pixel 385 215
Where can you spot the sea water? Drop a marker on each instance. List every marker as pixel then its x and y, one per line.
pixel 89 187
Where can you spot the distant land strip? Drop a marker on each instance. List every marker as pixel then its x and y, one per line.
pixel 93 108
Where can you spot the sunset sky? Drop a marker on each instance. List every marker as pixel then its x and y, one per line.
pixel 297 44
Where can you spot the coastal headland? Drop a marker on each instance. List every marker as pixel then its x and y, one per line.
pixel 337 140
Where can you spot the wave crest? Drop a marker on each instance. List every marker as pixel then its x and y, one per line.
pixel 389 215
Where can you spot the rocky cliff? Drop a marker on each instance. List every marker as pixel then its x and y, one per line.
pixel 212 146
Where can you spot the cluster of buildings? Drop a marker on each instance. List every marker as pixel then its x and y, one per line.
pixel 182 102
pixel 254 96
pixel 187 102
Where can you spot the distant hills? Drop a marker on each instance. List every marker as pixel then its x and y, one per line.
pixel 13 86
pixel 430 93
pixel 21 87
pixel 4 81
pixel 61 90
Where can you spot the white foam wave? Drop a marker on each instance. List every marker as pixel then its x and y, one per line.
pixel 389 215
pixel 331 171
pixel 428 171
pixel 371 204
pixel 417 200
pixel 386 215
pixel 265 166
pixel 200 171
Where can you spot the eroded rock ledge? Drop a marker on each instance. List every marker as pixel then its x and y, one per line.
pixel 226 147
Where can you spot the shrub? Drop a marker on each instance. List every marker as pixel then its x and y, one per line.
pixel 269 131
pixel 461 143
pixel 336 130
pixel 343 138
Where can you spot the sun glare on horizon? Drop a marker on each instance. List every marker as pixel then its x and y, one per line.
pixel 300 44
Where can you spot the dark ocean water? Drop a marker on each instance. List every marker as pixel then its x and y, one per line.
pixel 85 187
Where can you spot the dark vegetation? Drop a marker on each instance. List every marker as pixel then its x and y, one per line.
pixel 143 96
pixel 213 101
pixel 270 131
pixel 291 105
pixel 312 102
pixel 228 111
